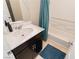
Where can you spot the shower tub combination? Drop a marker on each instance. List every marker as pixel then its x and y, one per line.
pixel 61 31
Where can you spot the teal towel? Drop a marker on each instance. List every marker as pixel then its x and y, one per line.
pixel 44 18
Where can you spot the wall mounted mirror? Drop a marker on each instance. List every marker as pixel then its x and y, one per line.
pixel 24 10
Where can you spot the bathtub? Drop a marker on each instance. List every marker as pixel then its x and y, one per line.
pixel 57 32
pixel 59 40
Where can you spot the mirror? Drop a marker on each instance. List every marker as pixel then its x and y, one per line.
pixel 24 10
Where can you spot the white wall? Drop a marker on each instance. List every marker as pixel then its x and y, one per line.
pixel 15 4
pixel 30 10
pixel 64 9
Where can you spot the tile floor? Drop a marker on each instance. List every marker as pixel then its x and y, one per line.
pixel 53 43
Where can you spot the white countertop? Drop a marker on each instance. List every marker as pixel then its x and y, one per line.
pixel 13 40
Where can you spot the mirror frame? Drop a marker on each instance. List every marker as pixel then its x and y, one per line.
pixel 10 10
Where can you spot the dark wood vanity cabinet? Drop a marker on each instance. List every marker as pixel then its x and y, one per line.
pixel 34 43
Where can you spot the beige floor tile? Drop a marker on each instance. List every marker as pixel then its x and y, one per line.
pixel 56 45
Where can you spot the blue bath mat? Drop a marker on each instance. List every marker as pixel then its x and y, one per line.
pixel 51 52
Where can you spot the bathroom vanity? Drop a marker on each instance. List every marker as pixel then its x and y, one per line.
pixel 24 35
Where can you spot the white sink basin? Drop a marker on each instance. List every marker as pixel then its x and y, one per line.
pixel 23 32
pixel 17 37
